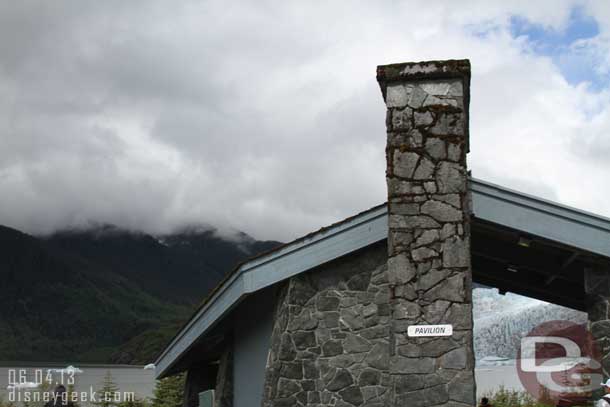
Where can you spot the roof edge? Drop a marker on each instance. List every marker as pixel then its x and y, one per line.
pixel 360 223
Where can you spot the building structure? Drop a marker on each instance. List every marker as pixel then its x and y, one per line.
pixel 326 320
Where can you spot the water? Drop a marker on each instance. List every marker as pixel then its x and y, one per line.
pixel 491 378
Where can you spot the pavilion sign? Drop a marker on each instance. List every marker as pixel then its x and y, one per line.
pixel 430 330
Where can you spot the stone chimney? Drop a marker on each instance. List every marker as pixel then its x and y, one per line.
pixel 429 236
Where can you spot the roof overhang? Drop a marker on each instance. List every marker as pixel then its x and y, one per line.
pixel 491 203
pixel 542 218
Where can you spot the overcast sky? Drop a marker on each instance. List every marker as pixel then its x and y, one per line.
pixel 266 116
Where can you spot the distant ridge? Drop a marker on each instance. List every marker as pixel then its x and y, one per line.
pixel 89 295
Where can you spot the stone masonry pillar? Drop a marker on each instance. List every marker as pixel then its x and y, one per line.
pixel 597 291
pixel 429 265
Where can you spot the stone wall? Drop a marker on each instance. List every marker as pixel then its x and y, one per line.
pixel 597 291
pixel 429 237
pixel 340 331
pixel 330 339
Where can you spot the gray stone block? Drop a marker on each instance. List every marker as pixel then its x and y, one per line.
pixel 332 348
pixel 398 95
pixel 450 178
pixel 304 339
pixel 436 148
pixel 441 211
pixel 402 365
pixel 327 303
pixel 356 344
pixel 431 396
pixel 341 380
pixel 352 395
pixel 456 252
pixel 379 356
pixel 402 119
pixel 400 269
pixel 455 359
pixel 449 289
pixel 405 163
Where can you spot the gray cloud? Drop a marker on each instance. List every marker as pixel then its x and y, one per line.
pixel 263 117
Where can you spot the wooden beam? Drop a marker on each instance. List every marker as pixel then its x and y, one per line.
pixel 565 265
pixel 528 284
pixel 519 265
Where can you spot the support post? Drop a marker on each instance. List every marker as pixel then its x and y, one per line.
pixel 597 292
pixel 429 263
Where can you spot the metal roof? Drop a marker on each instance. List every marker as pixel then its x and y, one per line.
pixel 491 203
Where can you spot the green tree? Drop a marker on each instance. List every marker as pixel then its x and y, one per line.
pixel 169 392
pixel 4 403
pixel 37 394
pixel 503 397
pixel 73 401
pixel 136 402
pixel 105 397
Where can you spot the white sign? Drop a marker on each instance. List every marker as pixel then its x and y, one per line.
pixel 430 330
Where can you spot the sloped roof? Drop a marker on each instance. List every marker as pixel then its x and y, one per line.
pixel 491 203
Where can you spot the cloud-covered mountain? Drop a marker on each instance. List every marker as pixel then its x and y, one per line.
pixel 108 294
pixel 79 295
